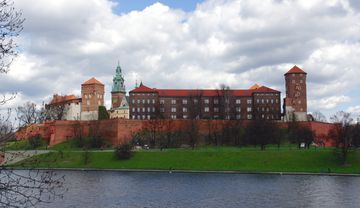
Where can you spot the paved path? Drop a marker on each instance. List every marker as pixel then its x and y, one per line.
pixel 12 157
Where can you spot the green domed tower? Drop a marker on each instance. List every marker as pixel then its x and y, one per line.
pixel 118 93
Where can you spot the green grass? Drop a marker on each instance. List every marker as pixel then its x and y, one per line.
pixel 21 145
pixel 71 145
pixel 208 158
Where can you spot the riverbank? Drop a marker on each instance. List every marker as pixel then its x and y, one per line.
pixel 244 160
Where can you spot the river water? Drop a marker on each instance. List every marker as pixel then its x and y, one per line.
pixel 149 189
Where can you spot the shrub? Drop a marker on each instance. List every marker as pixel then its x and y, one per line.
pixel 123 151
pixel 35 142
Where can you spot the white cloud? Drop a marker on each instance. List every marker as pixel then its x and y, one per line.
pixel 238 43
pixel 328 103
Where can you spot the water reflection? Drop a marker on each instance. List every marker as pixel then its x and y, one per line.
pixel 131 189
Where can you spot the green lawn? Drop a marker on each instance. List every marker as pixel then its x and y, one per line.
pixel 207 158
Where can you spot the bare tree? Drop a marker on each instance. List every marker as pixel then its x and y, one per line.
pixel 27 114
pixel 55 111
pixel 318 116
pixel 342 133
pixel 19 188
pixel 11 24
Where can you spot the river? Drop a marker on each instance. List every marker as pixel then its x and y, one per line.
pixel 149 189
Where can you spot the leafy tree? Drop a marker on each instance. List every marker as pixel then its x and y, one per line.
pixel 103 114
pixel 261 132
pixel 123 151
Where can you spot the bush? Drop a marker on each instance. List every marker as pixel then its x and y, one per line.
pixel 35 142
pixel 123 151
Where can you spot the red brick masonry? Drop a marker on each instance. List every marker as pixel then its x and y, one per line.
pixel 117 131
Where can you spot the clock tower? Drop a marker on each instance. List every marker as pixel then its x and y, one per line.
pixel 295 102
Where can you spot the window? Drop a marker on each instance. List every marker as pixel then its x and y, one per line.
pixel 262 109
pixel 184 101
pixel 148 117
pixel 173 110
pixel 238 109
pixel 238 101
pixel 272 101
pixel 133 101
pixel 206 101
pixel 262 101
pixel 88 102
pixel 138 109
pixel 184 110
pixel 206 109
pixel 249 116
pixel 173 116
pixel 143 101
pixel 227 117
pixel 196 101
pixel 153 101
pixel 149 109
pixel 249 109
pixel 89 95
pixel 162 101
pixel 173 101
pixel 216 109
pixel 133 109
pixel 185 116
pixel 148 101
pixel 153 109
pixel 216 101
pixel 227 101
pixel 267 109
pixel 138 101
pixel 227 109
pixel 143 109
pixel 133 116
pixel 138 117
pixel 299 102
pixel 257 100
pixel 238 116
pixel 86 96
pixel 277 101
pixel 267 100
pixel 143 116
pixel 249 101
pixel 162 109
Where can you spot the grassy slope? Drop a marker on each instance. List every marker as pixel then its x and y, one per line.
pixel 223 158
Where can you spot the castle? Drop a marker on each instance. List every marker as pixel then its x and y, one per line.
pixel 257 102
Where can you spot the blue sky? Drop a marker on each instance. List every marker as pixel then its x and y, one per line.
pixel 125 6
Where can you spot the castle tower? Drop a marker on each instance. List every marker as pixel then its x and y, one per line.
pixel 92 94
pixel 118 89
pixel 295 102
pixel 119 104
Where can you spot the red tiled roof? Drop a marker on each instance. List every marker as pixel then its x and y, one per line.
pixel 92 81
pixel 198 92
pixel 63 99
pixel 295 70
pixel 143 88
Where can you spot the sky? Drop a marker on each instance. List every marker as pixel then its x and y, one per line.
pixel 189 44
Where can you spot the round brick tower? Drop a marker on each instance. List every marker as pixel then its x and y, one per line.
pixel 295 102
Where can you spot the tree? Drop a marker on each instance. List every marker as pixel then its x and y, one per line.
pixel 103 114
pixel 11 24
pixel 261 132
pixel 27 114
pixel 55 111
pixel 342 133
pixel 19 188
pixel 318 116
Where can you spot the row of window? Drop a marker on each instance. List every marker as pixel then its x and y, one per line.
pixel 88 102
pixel 143 117
pixel 206 101
pixel 96 95
pixel 143 101
pixel 143 109
pixel 267 101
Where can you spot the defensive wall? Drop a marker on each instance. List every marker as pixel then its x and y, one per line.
pixel 117 131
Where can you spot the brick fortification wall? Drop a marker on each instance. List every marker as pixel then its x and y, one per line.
pixel 117 131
